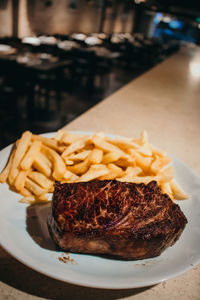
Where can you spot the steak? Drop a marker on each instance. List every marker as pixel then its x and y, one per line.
pixel 125 220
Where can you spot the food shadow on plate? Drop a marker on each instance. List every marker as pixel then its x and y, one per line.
pixel 26 280
pixel 36 225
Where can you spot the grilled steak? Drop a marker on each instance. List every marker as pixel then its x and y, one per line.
pixel 127 220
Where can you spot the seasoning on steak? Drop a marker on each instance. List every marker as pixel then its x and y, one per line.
pixel 126 220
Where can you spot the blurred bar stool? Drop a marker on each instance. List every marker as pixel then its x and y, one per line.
pixel 12 90
pixel 82 69
pixel 102 71
pixel 44 101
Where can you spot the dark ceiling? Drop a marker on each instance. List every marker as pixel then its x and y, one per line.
pixel 187 8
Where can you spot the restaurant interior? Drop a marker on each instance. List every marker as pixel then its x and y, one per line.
pixel 58 58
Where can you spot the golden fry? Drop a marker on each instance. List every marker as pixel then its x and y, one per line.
pixel 110 176
pixel 33 199
pixel 30 155
pixel 41 179
pixel 159 163
pixel 94 172
pixel 107 147
pixel 125 162
pixel 42 198
pixel 59 135
pixel 69 138
pixel 95 156
pixel 114 172
pixel 28 199
pixel 145 151
pixel 114 168
pixel 79 156
pixel 143 138
pixel 46 160
pixel 59 167
pixel 137 179
pixel 133 171
pixel 166 189
pixel 143 162
pixel 68 162
pixel 4 174
pixel 124 144
pixel 12 176
pixel 110 157
pixel 80 168
pixel 165 175
pixel 20 180
pixel 41 164
pixel 69 176
pixel 25 192
pixel 34 187
pixel 75 146
pixel 177 191
pixel 49 142
pixel 21 149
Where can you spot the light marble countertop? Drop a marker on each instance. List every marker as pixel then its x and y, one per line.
pixel 166 102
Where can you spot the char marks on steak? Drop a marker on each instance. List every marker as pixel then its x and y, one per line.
pixel 127 220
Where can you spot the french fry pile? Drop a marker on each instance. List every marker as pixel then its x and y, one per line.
pixel 36 162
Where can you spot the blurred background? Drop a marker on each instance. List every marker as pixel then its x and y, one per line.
pixel 58 58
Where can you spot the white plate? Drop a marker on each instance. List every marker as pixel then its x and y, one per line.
pixel 5 48
pixel 25 236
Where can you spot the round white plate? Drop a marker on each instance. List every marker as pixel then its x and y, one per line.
pixel 4 48
pixel 25 236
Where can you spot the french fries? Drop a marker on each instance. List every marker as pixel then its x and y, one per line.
pixel 95 156
pixel 36 162
pixel 4 174
pixel 177 191
pixel 41 180
pixel 42 164
pixel 20 180
pixel 21 149
pixel 59 167
pixel 33 151
pixel 94 172
pixel 34 188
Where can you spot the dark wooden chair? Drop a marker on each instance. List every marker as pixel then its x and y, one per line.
pixel 82 69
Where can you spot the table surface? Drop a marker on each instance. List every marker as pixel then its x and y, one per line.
pixel 42 66
pixel 166 102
